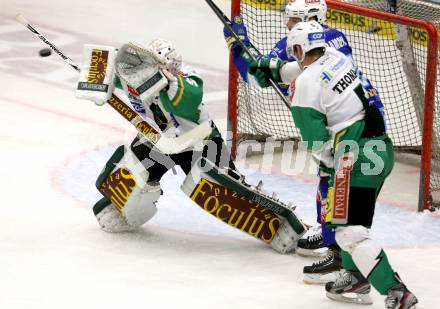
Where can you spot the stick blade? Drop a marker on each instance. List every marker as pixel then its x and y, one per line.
pixel 20 18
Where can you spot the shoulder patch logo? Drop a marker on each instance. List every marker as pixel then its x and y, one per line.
pixel 326 78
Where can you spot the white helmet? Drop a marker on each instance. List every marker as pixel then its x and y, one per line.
pixel 309 35
pixel 167 54
pixel 304 9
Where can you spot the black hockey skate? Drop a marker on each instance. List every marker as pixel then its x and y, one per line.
pixel 311 246
pixel 326 269
pixel 399 297
pixel 350 287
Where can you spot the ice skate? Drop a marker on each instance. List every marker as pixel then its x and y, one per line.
pixel 350 287
pixel 324 270
pixel 399 297
pixel 312 246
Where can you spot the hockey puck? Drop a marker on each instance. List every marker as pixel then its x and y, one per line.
pixel 45 52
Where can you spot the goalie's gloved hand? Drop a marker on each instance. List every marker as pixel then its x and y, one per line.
pixel 240 29
pixel 264 69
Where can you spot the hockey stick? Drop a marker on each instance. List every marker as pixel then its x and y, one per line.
pixel 227 23
pixel 147 128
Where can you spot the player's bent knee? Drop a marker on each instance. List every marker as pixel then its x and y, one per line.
pixel 348 237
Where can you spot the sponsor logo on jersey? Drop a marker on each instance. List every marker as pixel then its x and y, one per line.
pixel 338 65
pixel 326 78
pixel 316 36
pixel 342 189
pixel 345 81
pixel 312 1
pixel 235 210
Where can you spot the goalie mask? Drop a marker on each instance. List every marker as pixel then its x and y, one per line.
pixel 166 52
pixel 139 70
pixel 305 9
pixel 308 35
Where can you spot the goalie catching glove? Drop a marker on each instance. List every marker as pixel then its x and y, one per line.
pixel 141 71
pixel 265 69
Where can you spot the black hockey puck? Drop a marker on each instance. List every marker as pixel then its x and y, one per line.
pixel 45 52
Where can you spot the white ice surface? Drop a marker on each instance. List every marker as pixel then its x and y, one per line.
pixel 52 254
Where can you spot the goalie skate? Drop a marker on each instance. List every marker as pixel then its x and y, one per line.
pixel 350 287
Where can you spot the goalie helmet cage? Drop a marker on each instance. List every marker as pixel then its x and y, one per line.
pixel 398 53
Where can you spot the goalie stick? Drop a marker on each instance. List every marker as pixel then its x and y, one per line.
pixel 227 23
pixel 147 128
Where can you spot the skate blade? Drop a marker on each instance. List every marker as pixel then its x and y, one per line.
pixel 320 278
pixel 317 253
pixel 355 298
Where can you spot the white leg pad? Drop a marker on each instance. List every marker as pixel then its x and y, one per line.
pixel 348 237
pixel 364 251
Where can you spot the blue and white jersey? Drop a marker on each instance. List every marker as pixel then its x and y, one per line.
pixel 334 38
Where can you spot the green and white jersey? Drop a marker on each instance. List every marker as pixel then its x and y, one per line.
pixel 183 97
pixel 176 109
pixel 326 98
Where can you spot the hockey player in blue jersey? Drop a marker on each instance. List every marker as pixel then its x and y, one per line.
pixel 297 11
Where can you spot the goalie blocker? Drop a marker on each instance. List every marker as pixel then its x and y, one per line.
pixel 246 208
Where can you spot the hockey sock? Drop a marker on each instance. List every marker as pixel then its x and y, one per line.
pixel 373 263
pixel 382 276
pixel 347 262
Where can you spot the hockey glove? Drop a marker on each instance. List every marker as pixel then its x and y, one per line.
pixel 264 69
pixel 239 28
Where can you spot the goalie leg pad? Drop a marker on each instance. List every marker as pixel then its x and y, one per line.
pixel 110 220
pixel 286 239
pixel 243 207
pixel 125 183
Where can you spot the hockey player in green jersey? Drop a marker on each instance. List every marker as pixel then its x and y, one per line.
pixel 161 88
pixel 331 110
